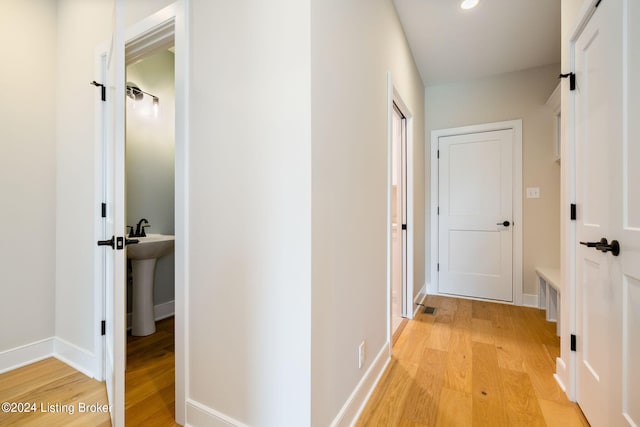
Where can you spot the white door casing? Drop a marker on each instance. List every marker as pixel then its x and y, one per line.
pixel 607 150
pixel 516 221
pixel 629 228
pixel 399 297
pixel 166 25
pixel 475 199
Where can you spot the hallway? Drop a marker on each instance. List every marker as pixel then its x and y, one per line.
pixel 473 363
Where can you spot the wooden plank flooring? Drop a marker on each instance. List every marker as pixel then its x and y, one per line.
pixel 149 384
pixel 51 382
pixel 150 378
pixel 473 364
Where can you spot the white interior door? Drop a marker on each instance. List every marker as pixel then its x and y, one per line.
pixel 113 192
pixel 475 182
pixel 629 229
pixel 608 199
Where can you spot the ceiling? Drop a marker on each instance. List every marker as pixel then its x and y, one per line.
pixel 498 36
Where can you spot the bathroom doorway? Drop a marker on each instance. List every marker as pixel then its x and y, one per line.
pixel 150 218
pixel 159 31
pixel 400 213
pixel 398 217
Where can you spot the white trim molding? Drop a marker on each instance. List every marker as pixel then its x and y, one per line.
pixel 353 407
pixel 419 299
pixel 78 358
pixel 516 126
pixel 27 354
pixel 530 300
pixel 201 415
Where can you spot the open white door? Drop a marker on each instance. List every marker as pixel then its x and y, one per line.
pixel 607 68
pixel 113 237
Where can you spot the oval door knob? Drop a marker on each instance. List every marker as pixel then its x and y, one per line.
pixel 504 223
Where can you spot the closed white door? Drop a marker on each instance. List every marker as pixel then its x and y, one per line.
pixel 608 201
pixel 114 260
pixel 475 220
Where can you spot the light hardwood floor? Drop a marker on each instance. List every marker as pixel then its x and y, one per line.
pixel 50 382
pixel 149 384
pixel 150 378
pixel 473 364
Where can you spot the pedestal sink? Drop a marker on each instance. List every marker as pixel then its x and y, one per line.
pixel 144 256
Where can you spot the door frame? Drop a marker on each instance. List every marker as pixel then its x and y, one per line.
pixel 171 21
pixel 516 126
pixel 393 96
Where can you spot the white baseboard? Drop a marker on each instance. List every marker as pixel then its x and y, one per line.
pixel 76 357
pixel 355 404
pixel 530 300
pixel 561 371
pixel 419 299
pixel 202 416
pixel 160 311
pixel 25 354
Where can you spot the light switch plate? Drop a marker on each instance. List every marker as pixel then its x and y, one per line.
pixel 533 192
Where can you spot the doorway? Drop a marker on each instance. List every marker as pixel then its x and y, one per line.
pixel 398 218
pixel 159 31
pixel 150 212
pixel 476 211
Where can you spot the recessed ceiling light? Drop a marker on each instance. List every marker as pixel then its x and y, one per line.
pixel 469 4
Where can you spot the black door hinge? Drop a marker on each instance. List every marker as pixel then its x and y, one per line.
pixel 438 267
pixel 438 153
pixel 573 342
pixel 572 80
pixel 438 210
pixel 404 226
pixel 574 215
pixel 104 210
pixel 103 327
pixel 103 93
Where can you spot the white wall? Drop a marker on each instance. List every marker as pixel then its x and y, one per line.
pixel 150 158
pixel 27 171
pixel 518 95
pixel 250 212
pixel 353 46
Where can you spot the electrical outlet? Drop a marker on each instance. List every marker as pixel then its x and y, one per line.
pixel 533 193
pixel 361 354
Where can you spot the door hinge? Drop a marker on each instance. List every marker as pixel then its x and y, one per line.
pixel 104 210
pixel 573 212
pixel 438 267
pixel 438 153
pixel 573 342
pixel 103 93
pixel 572 80
pixel 103 327
pixel 404 226
pixel 438 210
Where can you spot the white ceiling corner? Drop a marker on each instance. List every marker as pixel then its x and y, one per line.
pixel 498 36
